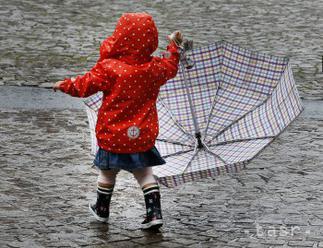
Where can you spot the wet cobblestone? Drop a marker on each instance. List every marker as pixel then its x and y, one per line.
pixel 45 42
pixel 45 166
pixel 47 182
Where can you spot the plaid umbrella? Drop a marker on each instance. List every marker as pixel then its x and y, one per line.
pixel 217 115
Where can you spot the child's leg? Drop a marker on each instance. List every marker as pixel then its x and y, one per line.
pixel 144 176
pixel 107 177
pixel 150 188
pixel 105 184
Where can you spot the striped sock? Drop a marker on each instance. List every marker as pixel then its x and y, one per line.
pixel 150 187
pixel 105 189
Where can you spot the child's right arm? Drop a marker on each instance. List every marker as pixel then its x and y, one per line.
pixel 168 65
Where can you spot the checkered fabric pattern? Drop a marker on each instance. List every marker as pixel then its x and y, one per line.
pixel 92 105
pixel 242 101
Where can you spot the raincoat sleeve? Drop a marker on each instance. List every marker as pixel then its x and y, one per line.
pixel 97 79
pixel 168 65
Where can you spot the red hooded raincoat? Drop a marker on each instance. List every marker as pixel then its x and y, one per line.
pixel 130 78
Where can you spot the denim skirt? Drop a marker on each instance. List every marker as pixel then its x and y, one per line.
pixel 106 160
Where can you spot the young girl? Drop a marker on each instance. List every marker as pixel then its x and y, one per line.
pixel 127 125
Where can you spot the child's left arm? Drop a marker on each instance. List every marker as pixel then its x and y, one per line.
pixel 97 79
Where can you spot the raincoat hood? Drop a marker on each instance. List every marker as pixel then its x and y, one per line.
pixel 130 78
pixel 133 41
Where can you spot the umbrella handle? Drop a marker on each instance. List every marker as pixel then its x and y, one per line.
pixel 186 61
pixel 187 45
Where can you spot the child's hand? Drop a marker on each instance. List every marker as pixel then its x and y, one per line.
pixel 177 37
pixel 58 83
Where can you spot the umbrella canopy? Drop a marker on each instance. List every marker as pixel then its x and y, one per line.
pixel 219 114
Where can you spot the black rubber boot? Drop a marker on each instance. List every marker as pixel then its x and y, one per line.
pixel 154 219
pixel 101 209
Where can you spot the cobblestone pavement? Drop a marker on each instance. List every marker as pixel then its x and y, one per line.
pixel 45 166
pixel 47 182
pixel 42 43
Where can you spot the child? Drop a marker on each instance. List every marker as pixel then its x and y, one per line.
pixel 127 125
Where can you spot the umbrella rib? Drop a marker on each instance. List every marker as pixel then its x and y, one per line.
pixel 173 118
pixel 196 151
pixel 173 142
pixel 253 109
pixel 238 119
pixel 264 102
pixel 241 140
pixel 216 155
pixel 210 113
pixel 177 153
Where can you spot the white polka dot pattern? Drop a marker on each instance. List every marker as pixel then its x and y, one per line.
pixel 130 79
